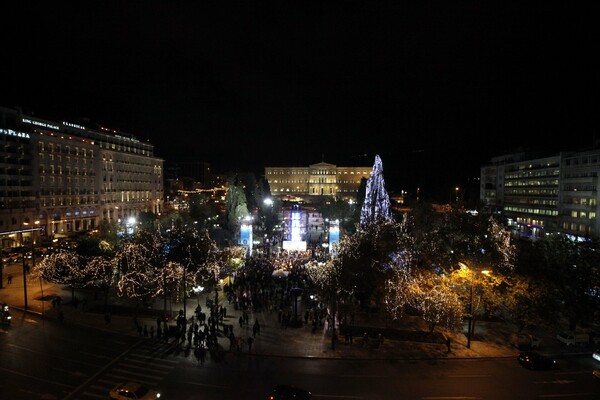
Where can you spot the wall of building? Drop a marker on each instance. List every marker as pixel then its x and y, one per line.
pixel 64 178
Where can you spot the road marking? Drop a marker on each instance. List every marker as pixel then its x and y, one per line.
pixel 93 355
pixel 469 376
pixel 205 385
pixel 36 378
pixel 109 365
pixel 450 398
pixel 145 359
pixel 132 364
pixel 93 395
pixel 120 377
pixel 337 396
pixel 52 356
pixel 73 373
pixel 128 372
pixel 571 395
pixel 365 376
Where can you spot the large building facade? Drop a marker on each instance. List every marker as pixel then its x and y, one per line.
pixel 58 177
pixel 321 179
pixel 540 194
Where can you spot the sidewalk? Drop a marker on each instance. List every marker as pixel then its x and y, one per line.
pixel 492 339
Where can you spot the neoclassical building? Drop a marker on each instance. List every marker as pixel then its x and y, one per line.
pixel 321 179
pixel 59 177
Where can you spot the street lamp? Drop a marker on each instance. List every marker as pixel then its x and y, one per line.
pixel 24 267
pixel 471 327
pixel 456 190
pixel 197 290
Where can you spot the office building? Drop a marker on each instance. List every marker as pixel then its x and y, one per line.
pixel 538 194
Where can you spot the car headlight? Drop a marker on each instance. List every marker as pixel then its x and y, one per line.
pixel 157 395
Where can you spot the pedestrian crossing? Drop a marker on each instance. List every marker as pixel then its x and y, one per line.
pixel 145 364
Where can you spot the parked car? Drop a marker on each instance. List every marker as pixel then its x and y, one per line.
pixel 525 341
pixel 572 339
pixel 535 360
pixel 594 337
pixel 596 355
pixel 596 374
pixel 289 392
pixel 132 391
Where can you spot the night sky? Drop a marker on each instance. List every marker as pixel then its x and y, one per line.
pixel 434 88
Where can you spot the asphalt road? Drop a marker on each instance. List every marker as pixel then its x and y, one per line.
pixel 41 359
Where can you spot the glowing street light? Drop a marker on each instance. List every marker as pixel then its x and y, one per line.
pixel 463 266
pixel 197 290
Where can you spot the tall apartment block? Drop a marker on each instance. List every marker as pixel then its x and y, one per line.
pixel 58 178
pixel 539 194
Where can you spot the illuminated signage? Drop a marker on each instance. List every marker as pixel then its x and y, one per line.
pixel 334 235
pixel 10 132
pixel 40 123
pixel 70 125
pixel 246 236
pixel 294 245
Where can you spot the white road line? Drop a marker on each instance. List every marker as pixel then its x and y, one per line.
pixel 145 368
pixel 469 376
pixel 128 372
pixel 206 385
pixel 52 356
pixel 365 376
pixel 120 378
pixel 94 395
pixel 450 398
pixel 36 378
pixel 146 358
pixel 570 395
pixel 93 355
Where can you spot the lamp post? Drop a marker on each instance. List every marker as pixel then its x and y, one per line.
pixel 24 268
pixel 471 327
pixel 470 313
pixel 197 290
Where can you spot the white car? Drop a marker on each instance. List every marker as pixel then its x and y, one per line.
pixel 132 391
pixel 596 355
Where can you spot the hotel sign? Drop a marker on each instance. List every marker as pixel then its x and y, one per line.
pixel 40 123
pixel 10 132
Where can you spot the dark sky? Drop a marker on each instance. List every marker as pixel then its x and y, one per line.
pixel 434 88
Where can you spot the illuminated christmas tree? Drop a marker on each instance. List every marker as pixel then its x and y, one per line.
pixel 377 201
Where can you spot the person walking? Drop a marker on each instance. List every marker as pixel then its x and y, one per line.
pixel 250 342
pixel 9 279
pixel 256 328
